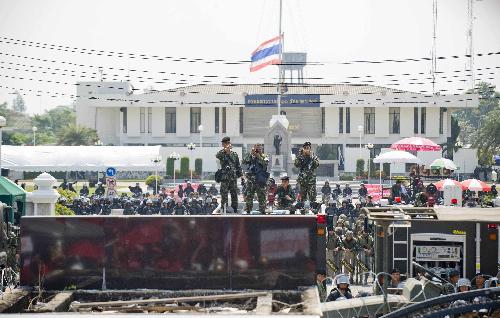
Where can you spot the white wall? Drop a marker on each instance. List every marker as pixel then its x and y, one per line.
pixel 107 121
pixel 206 153
pixel 331 121
pixel 183 122
pixel 133 125
pixel 158 122
pixel 428 157
pixel 381 121
pixel 357 117
pixel 233 121
pixel 406 122
pixel 432 122
pixel 208 121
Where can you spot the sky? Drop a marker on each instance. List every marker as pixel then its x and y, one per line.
pixel 330 31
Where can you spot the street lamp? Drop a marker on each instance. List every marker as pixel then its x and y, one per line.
pixel 174 156
pixel 200 128
pixel 360 130
pixel 3 123
pixel 156 162
pixel 191 146
pixel 369 147
pixel 34 135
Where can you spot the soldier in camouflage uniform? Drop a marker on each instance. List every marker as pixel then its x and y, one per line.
pixel 334 247
pixel 256 160
pixel 307 162
pixel 285 195
pixel 230 165
pixel 365 243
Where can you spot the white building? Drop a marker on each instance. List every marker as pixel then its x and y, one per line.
pixel 330 115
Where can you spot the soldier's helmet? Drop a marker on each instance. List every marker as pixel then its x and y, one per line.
pixel 338 231
pixel 348 233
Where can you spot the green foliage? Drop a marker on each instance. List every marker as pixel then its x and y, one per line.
pixel 327 152
pixel 487 138
pixel 67 194
pixel 346 177
pixel 75 135
pixel 63 210
pixel 198 166
pixel 18 104
pixel 360 167
pixel 471 119
pixel 170 167
pixel 386 168
pixel 150 181
pixel 184 173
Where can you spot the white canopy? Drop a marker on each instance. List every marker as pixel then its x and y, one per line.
pixel 396 156
pixel 80 158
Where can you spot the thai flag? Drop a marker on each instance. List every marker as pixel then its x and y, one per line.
pixel 267 53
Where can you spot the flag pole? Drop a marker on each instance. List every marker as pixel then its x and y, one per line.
pixel 280 57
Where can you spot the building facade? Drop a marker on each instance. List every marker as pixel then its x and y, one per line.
pixel 336 118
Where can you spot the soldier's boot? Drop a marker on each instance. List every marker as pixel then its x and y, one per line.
pixel 235 208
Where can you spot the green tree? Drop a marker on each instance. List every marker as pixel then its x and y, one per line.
pixel 471 119
pixel 75 135
pixel 18 104
pixel 360 167
pixel 184 173
pixel 170 167
pixel 487 138
pixel 198 166
pixel 55 119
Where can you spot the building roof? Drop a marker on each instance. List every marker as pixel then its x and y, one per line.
pixel 271 88
pixel 8 187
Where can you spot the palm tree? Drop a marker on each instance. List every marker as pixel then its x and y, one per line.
pixel 75 135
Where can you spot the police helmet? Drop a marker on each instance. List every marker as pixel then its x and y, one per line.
pixel 463 282
pixel 342 279
pixel 149 201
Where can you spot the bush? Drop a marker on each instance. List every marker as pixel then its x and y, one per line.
pixel 184 167
pixel 346 177
pixel 63 210
pixel 198 166
pixel 386 167
pixel 68 195
pixel 170 166
pixel 360 167
pixel 150 181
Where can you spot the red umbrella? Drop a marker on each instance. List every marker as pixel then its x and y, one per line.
pixel 475 185
pixel 441 184
pixel 416 144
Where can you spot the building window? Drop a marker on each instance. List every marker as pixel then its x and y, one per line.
pixel 369 120
pixel 216 120
pixel 441 119
pixel 341 120
pixel 224 120
pixel 124 120
pixel 195 119
pixel 142 119
pixel 347 120
pixel 241 120
pixel 170 120
pixel 322 120
pixel 394 120
pixel 423 116
pixel 415 120
pixel 150 119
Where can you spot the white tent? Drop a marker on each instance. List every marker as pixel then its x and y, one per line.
pixel 80 158
pixel 396 156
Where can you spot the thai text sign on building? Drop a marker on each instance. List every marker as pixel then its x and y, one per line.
pixel 289 100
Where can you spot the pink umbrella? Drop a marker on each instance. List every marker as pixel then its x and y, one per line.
pixel 416 144
pixel 475 185
pixel 441 184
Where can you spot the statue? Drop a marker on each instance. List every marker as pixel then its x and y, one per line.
pixel 277 143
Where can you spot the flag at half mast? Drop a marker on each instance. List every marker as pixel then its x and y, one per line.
pixel 267 53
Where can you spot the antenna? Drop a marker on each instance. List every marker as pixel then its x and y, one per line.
pixel 433 54
pixel 470 49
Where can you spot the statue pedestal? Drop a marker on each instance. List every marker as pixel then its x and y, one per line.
pixel 277 168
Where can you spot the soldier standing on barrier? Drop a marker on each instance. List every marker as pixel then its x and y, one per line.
pixel 285 195
pixel 231 171
pixel 257 162
pixel 307 162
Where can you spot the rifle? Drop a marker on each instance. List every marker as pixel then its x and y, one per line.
pixel 332 265
pixel 348 266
